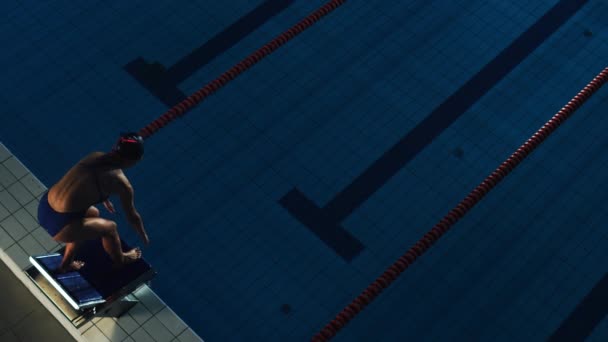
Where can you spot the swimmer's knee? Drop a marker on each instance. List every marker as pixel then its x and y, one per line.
pixel 112 228
pixel 100 227
pixel 87 229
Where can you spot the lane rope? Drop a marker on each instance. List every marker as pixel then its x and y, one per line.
pixel 194 99
pixel 392 272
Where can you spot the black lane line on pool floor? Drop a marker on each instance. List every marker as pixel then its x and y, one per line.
pixel 162 82
pixel 586 316
pixel 325 221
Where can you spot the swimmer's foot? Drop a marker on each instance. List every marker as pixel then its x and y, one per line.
pixel 73 266
pixel 132 255
pixel 129 257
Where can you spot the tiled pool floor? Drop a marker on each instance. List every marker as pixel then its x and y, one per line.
pixel 463 83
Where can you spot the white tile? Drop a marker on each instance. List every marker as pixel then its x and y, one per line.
pixel 5 240
pixel 21 194
pixel 111 329
pixel 33 184
pixel 3 212
pixel 149 299
pixel 95 335
pixel 189 336
pixel 15 167
pixel 13 227
pixel 140 314
pixel 171 321
pixel 18 255
pixel 6 177
pixel 9 202
pixel 140 335
pixel 4 153
pixel 85 327
pixel 43 238
pixel 127 323
pixel 60 245
pixel 31 246
pixel 32 207
pixel 156 329
pixel 27 221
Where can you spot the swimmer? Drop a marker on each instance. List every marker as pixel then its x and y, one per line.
pixel 67 210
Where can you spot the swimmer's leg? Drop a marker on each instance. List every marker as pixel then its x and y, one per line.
pixel 91 228
pixel 68 263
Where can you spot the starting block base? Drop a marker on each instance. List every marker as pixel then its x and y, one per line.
pixel 118 308
pixel 96 290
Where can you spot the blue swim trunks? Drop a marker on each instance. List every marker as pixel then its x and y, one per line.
pixel 53 221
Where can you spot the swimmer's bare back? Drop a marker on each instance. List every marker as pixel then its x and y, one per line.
pixel 77 189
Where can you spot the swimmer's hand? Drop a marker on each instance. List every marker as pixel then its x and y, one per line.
pixel 109 206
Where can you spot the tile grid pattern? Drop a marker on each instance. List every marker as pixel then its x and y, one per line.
pixel 299 272
pixel 511 246
pixel 22 236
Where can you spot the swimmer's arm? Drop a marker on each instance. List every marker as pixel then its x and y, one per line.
pixel 126 197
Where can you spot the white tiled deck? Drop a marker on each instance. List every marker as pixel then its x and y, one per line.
pixel 22 236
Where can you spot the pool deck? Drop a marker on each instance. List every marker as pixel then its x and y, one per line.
pixel 24 306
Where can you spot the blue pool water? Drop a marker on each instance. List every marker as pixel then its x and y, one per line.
pixel 461 83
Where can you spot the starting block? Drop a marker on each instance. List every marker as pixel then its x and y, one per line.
pixel 96 290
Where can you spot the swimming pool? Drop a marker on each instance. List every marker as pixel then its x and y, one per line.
pixel 233 260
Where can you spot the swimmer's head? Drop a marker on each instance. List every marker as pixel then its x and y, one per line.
pixel 130 147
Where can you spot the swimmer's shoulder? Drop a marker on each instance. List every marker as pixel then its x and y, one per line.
pixel 89 158
pixel 93 155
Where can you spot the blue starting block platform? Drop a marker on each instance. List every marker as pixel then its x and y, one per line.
pixel 97 289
